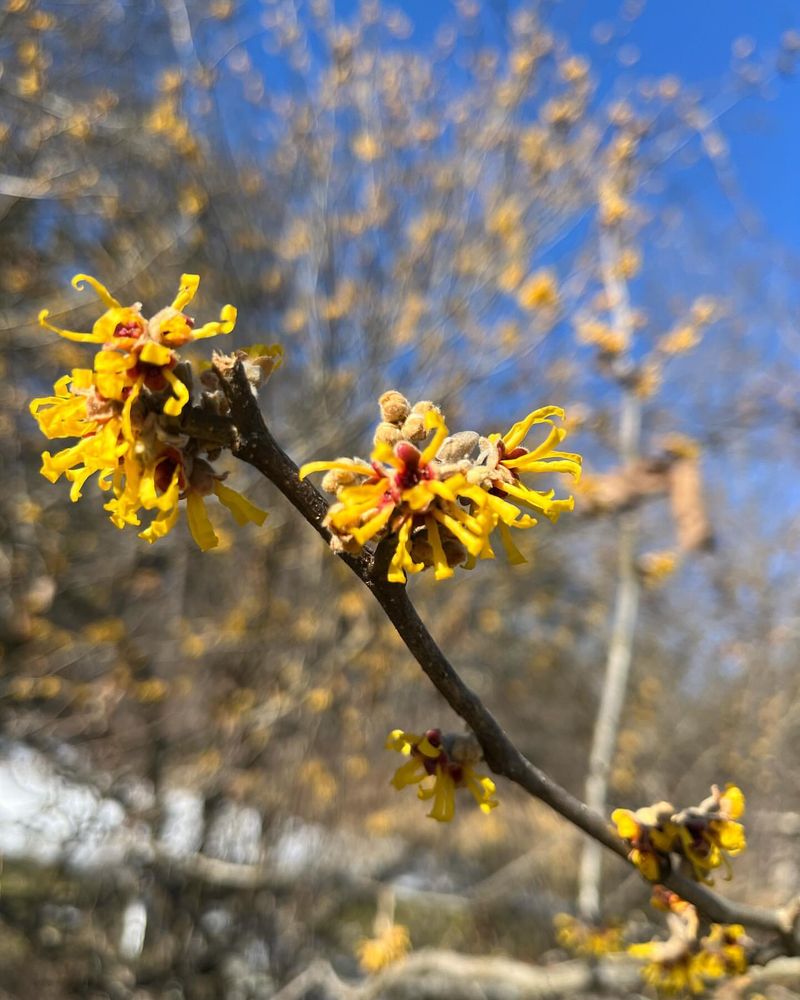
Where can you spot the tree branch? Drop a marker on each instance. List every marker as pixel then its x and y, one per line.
pixel 253 443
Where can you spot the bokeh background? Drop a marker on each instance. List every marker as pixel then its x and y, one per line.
pixel 493 205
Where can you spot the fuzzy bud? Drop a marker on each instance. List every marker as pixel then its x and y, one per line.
pixel 394 407
pixel 414 428
pixel 387 433
pixel 423 406
pixel 457 447
pixel 334 480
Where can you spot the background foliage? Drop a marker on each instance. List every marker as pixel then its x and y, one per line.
pixel 193 743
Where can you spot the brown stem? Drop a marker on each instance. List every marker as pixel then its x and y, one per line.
pixel 253 443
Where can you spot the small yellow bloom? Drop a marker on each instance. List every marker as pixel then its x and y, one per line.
pixel 583 939
pixel 678 975
pixel 680 340
pixel 602 336
pixel 448 760
pixel 656 567
pixel 502 463
pixel 709 833
pixel 139 353
pixel 724 951
pixel 651 834
pixel 387 948
pixel 706 835
pixel 540 291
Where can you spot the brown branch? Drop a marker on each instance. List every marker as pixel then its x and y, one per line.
pixel 253 443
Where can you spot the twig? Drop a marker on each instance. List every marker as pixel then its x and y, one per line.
pixel 253 443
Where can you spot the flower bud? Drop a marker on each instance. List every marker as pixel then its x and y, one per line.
pixel 394 407
pixel 387 433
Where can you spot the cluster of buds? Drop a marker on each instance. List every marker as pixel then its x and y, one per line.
pixel 705 835
pixel 440 763
pixel 440 497
pixel 125 412
pixel 685 961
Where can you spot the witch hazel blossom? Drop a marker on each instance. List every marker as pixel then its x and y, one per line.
pixel 123 412
pixel 440 500
pixel 686 963
pixel 706 836
pixel 439 764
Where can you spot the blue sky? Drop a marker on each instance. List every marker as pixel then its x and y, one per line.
pixel 692 39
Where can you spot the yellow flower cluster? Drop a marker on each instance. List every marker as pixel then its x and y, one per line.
pixel 441 502
pixel 685 962
pixel 705 835
pixel 385 949
pixel 583 939
pixel 448 759
pixel 123 412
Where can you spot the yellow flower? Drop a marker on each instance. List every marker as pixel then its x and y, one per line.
pixel 709 832
pixel 683 963
pixel 77 410
pixel 669 974
pixel 441 504
pixel 681 339
pixel 655 567
pixel 502 463
pixel 449 760
pixel 140 353
pixel 651 834
pixel 122 436
pixel 540 291
pixel 400 491
pixel 387 948
pixel 673 965
pixel 583 939
pixel 601 335
pixel 158 484
pixel 724 951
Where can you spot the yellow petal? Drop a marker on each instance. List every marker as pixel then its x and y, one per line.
pixel 444 797
pixel 242 509
pixel 647 863
pixel 155 354
pixel 199 523
pixel 515 557
pixel 345 464
pixel 375 524
pixel 516 435
pixel 732 801
pixel 433 420
pixel 186 292
pixel 401 741
pixel 102 292
pixel 427 748
pixel 80 338
pixel 730 835
pixel 442 571
pixel 227 321
pixel 626 823
pixel 410 773
pixel 173 406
